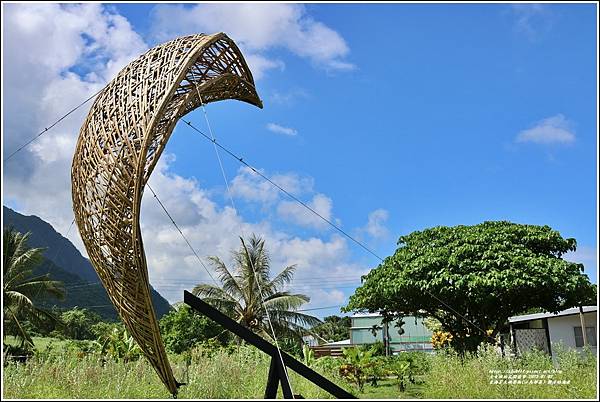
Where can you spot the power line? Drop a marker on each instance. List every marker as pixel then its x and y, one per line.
pixel 283 366
pixel 242 161
pixel 293 197
pixel 182 235
pixel 45 130
pixel 320 308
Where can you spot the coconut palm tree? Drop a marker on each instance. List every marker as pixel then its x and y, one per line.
pixel 239 295
pixel 21 288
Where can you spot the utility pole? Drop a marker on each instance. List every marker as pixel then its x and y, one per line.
pixel 386 339
pixel 583 331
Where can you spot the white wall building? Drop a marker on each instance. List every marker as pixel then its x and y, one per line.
pixel 547 330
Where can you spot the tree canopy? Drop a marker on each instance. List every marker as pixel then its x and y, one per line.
pixel 78 323
pixel 182 329
pixel 333 328
pixel 247 282
pixel 21 288
pixel 472 278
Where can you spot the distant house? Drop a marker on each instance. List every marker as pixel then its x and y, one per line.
pixel 333 349
pixel 547 330
pixel 368 329
pixel 310 340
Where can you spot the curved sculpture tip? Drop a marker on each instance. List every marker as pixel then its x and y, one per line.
pixel 119 144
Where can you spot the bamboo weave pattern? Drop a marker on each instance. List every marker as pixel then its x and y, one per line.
pixel 119 145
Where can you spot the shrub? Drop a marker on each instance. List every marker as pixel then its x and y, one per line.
pixel 356 365
pixel 183 329
pixel 77 323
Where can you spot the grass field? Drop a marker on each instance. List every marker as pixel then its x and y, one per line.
pixel 63 373
pixel 41 343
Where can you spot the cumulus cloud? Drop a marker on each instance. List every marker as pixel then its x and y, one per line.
pixel 72 50
pixel 249 186
pixel 288 97
pixel 215 230
pixel 552 130
pixel 375 226
pixel 276 128
pixel 296 213
pixel 258 28
pixel 44 44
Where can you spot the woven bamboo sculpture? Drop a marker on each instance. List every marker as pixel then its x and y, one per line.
pixel 119 145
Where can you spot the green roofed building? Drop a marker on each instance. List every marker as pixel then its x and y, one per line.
pixel 367 328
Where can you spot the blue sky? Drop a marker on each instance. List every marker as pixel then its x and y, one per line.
pixel 426 124
pixel 415 115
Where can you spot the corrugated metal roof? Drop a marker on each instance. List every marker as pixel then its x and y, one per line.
pixel 361 315
pixel 537 316
pixel 344 342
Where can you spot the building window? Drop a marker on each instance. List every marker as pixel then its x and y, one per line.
pixel 591 336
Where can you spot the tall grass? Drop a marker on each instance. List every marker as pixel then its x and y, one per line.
pixel 65 372
pixel 219 375
pixel 454 377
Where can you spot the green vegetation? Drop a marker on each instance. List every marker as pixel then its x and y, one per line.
pixel 333 328
pixel 86 357
pixel 356 366
pixel 486 272
pixel 66 369
pixel 454 377
pixel 21 287
pixel 242 287
pixel 78 323
pixel 64 263
pixel 183 329
pixel 210 374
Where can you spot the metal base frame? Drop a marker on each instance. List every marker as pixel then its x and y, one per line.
pixel 277 368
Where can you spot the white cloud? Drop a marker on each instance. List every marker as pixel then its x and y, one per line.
pixel 375 226
pixel 249 186
pixel 214 231
pixel 531 20
pixel 43 46
pixel 258 28
pixel 288 97
pixel 296 213
pixel 276 128
pixel 72 50
pixel 259 65
pixel 552 130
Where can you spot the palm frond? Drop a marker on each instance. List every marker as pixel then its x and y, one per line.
pixel 283 278
pixel 205 290
pixel 295 318
pixel 20 331
pixel 16 301
pixel 230 284
pixel 42 286
pixel 243 288
pixel 227 307
pixel 285 301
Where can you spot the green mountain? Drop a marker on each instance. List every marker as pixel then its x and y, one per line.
pixel 65 263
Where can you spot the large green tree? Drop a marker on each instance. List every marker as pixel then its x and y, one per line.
pixel 333 328
pixel 182 329
pixel 78 323
pixel 21 288
pixel 243 287
pixel 472 278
